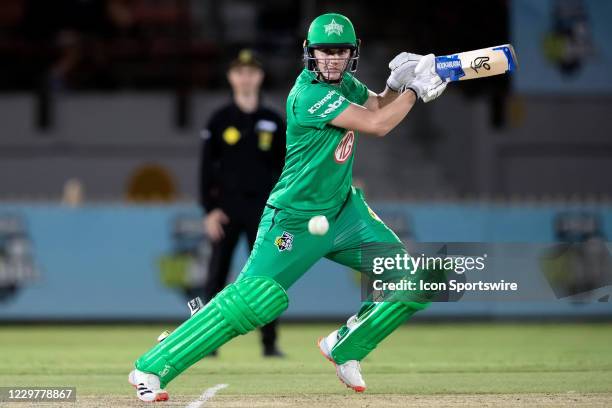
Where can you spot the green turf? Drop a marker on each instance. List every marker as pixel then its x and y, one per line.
pixel 417 359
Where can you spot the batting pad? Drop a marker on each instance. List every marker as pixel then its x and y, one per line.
pixel 239 308
pixel 373 324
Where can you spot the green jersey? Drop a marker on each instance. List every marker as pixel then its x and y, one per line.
pixel 319 162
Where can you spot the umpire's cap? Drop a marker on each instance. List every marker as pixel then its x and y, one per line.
pixel 246 58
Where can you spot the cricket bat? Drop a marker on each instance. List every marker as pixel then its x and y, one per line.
pixel 477 64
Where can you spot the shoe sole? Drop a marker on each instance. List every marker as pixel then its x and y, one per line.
pixel 161 397
pixel 356 388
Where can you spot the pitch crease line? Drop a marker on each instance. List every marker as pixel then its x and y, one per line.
pixel 206 395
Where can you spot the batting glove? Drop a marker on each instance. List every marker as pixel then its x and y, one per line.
pixel 427 84
pixel 402 70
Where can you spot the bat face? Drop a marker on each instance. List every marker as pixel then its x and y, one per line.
pixel 477 64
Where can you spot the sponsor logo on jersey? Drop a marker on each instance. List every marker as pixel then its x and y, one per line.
pixel 333 28
pixel 333 106
pixel 322 102
pixel 284 242
pixel 345 147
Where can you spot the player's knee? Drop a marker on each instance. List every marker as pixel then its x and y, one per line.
pixel 252 302
pixel 410 306
pixel 402 307
pixel 415 306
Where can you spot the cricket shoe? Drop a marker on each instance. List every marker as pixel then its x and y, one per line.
pixel 147 386
pixel 350 372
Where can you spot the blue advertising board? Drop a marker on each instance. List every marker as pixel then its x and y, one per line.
pixel 563 46
pixel 107 261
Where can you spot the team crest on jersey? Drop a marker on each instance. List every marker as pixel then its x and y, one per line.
pixel 345 147
pixel 284 242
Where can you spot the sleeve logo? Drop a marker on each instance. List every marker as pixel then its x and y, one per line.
pixel 345 147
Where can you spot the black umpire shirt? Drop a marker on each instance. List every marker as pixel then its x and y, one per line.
pixel 242 157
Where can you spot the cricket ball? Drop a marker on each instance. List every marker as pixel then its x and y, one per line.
pixel 318 225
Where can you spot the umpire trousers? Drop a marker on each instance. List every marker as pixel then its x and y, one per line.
pixel 244 216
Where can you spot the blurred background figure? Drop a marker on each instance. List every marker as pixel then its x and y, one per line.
pixel 151 183
pixel 73 194
pixel 243 152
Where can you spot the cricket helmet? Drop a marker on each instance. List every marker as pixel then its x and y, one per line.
pixel 331 30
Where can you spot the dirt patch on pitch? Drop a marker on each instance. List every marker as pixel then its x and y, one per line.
pixel 366 400
pixel 391 401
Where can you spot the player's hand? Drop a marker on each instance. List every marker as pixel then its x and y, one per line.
pixel 402 70
pixel 213 224
pixel 427 84
pixel 435 89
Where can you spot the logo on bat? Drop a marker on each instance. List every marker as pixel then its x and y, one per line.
pixel 448 64
pixel 480 62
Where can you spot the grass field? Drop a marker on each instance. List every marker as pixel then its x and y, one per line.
pixel 420 365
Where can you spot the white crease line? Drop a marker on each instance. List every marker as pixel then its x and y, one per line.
pixel 206 395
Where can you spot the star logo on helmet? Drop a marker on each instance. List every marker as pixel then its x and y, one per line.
pixel 333 28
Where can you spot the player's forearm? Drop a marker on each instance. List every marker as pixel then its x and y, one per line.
pixel 377 122
pixel 390 115
pixel 386 97
pixel 380 100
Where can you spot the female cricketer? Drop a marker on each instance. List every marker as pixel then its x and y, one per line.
pixel 326 110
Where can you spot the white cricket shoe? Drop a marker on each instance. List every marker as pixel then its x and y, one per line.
pixel 147 386
pixel 350 372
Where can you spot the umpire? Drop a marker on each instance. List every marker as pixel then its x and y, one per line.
pixel 243 153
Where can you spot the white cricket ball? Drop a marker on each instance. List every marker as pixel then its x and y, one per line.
pixel 318 225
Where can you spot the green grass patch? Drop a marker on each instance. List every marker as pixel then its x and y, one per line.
pixel 417 359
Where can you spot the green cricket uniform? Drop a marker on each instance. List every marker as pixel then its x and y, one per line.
pixel 316 180
pixel 319 162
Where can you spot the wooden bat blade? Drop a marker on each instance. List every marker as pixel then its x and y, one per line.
pixel 477 64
